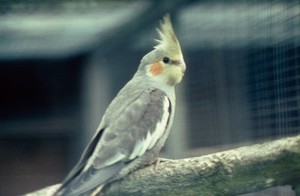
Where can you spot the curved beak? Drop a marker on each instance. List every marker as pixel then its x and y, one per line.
pixel 183 67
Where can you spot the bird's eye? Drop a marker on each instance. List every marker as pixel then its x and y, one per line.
pixel 166 60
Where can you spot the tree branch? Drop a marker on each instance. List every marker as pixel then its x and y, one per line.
pixel 242 170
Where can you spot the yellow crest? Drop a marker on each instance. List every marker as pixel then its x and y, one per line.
pixel 168 40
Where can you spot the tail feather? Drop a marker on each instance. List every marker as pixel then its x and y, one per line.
pixel 97 190
pixel 91 179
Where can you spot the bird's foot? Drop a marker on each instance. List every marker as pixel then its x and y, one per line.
pixel 160 160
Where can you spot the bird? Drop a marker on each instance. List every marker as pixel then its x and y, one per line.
pixel 137 122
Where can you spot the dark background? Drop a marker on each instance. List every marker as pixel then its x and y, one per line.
pixel 61 63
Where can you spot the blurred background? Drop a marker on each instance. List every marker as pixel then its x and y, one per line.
pixel 62 62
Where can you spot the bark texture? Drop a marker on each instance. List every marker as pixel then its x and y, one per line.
pixel 237 171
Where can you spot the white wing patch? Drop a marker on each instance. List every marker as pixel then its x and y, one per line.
pixel 152 138
pixel 112 160
pixel 161 126
pixel 136 150
pixel 146 144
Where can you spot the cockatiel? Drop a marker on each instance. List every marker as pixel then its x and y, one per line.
pixel 136 124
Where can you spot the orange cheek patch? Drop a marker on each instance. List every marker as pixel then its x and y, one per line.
pixel 156 69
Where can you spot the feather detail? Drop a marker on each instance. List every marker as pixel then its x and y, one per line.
pixel 98 190
pixel 136 130
pixel 136 124
pixel 168 40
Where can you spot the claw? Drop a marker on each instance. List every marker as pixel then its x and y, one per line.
pixel 160 160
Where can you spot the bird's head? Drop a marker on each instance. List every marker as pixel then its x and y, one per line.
pixel 165 63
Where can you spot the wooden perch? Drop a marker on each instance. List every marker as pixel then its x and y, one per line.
pixel 238 171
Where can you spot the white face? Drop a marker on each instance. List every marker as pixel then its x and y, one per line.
pixel 167 70
pixel 165 64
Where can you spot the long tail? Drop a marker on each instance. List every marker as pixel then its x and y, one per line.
pixel 97 190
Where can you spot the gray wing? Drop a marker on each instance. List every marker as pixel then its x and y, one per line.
pixel 134 131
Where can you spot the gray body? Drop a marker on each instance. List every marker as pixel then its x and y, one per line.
pixel 136 124
pixel 122 126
